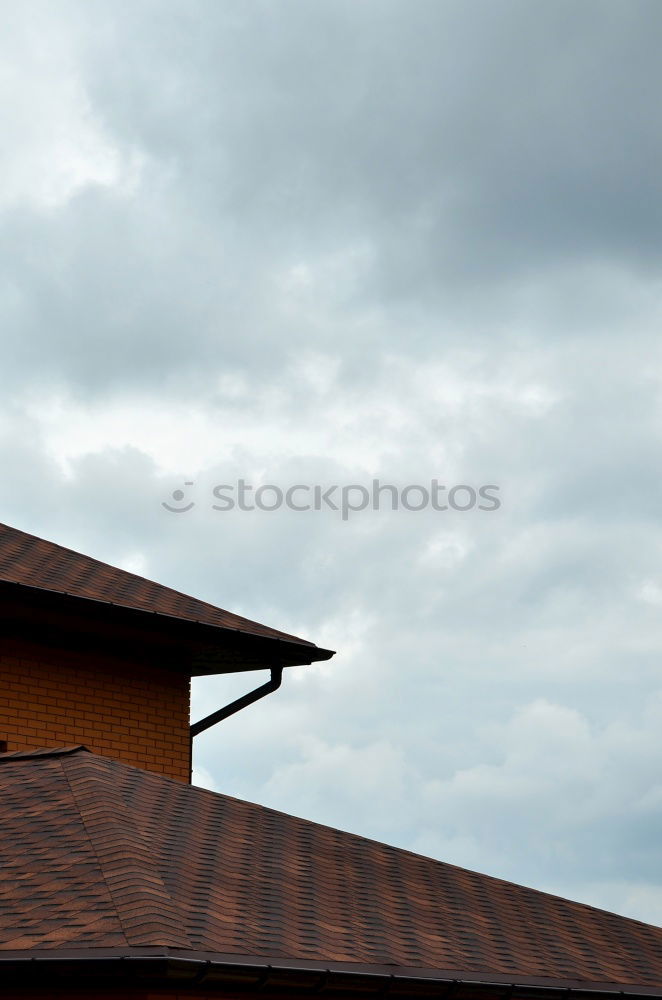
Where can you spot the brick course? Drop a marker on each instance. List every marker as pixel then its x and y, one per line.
pixel 119 708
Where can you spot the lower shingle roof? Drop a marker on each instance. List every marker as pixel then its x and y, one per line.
pixel 95 854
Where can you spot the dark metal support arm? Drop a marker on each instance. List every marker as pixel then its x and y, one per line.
pixel 243 702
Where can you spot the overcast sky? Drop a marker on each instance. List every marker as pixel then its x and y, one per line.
pixel 326 242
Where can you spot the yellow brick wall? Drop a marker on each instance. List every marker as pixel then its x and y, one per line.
pixel 131 712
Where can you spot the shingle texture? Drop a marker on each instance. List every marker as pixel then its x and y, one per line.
pixel 95 853
pixel 35 562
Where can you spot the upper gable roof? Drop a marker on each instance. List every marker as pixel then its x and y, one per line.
pixel 99 855
pixel 45 566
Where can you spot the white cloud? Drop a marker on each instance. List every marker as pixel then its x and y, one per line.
pixel 203 779
pixel 650 592
pixel 54 144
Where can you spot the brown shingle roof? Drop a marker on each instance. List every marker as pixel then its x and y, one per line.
pixel 97 854
pixel 35 562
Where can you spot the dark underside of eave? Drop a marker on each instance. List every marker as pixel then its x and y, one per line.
pixel 35 563
pixel 195 648
pixel 190 970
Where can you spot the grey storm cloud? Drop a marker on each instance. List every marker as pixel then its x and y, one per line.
pixel 438 156
pixel 315 243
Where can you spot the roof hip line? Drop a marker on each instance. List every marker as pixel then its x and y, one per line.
pixel 130 858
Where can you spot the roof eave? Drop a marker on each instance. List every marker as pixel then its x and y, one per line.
pixel 193 968
pixel 207 639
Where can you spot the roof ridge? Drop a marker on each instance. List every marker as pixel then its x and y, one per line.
pixel 145 909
